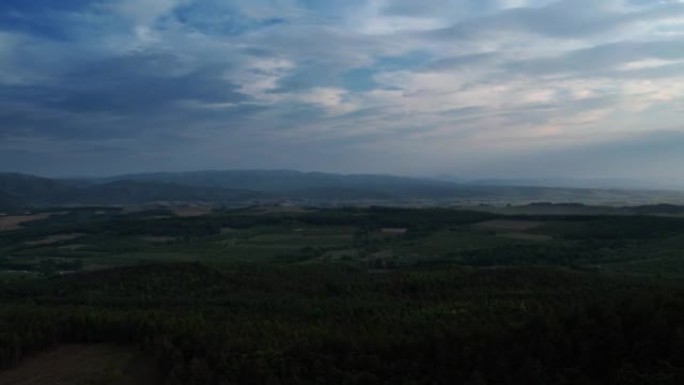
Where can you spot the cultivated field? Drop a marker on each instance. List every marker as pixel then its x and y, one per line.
pixel 508 225
pixel 52 239
pixel 357 238
pixel 15 222
pixel 192 211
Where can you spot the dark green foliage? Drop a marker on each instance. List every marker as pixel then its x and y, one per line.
pixel 343 303
pixel 420 220
pixel 623 228
pixel 267 324
pixel 433 236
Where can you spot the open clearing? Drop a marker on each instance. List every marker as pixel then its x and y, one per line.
pixel 192 211
pixel 84 364
pixel 14 222
pixel 527 236
pixel 55 239
pixel 157 239
pixel 508 225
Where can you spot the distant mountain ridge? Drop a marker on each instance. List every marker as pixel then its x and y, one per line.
pixel 20 190
pixel 249 186
pixel 278 180
pixel 590 183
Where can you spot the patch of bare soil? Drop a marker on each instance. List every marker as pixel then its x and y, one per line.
pixel 192 211
pixel 55 239
pixel 384 254
pixel 281 210
pixel 227 230
pixel 527 236
pixel 508 225
pixel 99 266
pixel 77 246
pixel 157 239
pixel 84 365
pixel 14 222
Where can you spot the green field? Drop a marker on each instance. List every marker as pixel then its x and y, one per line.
pixel 83 240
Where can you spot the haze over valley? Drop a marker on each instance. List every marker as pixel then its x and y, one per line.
pixel 262 187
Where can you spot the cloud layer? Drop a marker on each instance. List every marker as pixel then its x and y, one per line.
pixel 470 87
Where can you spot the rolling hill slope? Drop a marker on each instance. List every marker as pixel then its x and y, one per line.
pixel 248 186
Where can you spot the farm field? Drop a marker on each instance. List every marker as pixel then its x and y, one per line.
pixel 16 222
pixel 400 238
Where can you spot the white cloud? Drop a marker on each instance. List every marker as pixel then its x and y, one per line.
pixel 468 76
pixel 257 78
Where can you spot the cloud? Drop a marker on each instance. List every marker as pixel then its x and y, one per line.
pixel 565 19
pixel 290 83
pixel 606 58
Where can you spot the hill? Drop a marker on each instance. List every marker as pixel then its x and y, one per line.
pixel 31 190
pixel 281 181
pixel 27 190
pixel 248 186
pixel 329 187
pixel 131 192
pixel 8 201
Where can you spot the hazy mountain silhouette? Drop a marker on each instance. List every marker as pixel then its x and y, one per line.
pixel 240 186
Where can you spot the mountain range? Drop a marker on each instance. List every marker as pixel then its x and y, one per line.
pixel 253 186
pixel 596 183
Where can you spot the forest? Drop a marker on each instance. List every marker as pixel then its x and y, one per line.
pixel 353 295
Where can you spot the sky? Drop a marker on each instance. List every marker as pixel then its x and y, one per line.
pixel 471 88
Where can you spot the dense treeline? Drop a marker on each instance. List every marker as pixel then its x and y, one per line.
pixel 577 255
pixel 579 241
pixel 466 312
pixel 416 219
pixel 419 221
pixel 623 227
pixel 149 222
pixel 315 324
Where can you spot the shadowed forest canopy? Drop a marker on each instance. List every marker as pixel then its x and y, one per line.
pixel 274 295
